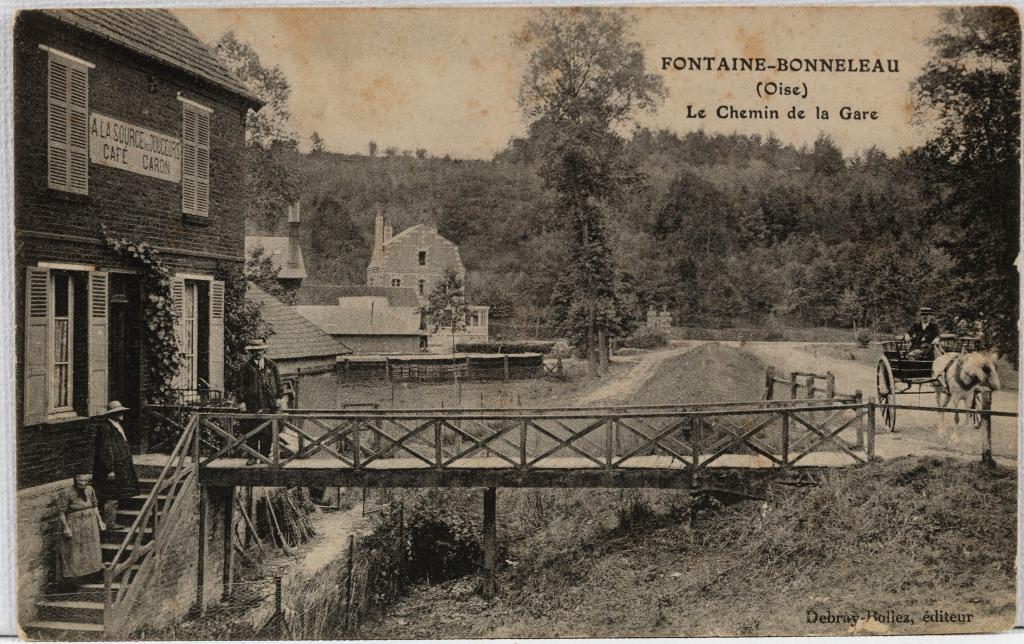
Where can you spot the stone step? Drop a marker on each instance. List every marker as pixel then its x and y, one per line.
pixel 72 610
pixel 94 592
pixel 58 631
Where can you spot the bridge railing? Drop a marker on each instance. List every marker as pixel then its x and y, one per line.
pixel 741 434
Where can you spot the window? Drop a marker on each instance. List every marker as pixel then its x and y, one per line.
pixel 195 159
pixel 67 132
pixel 190 334
pixel 422 258
pixel 396 282
pixel 191 299
pixel 62 341
pixel 422 287
pixel 65 353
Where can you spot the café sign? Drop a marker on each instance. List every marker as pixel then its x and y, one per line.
pixel 117 144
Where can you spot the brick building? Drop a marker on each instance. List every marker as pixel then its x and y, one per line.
pixel 123 119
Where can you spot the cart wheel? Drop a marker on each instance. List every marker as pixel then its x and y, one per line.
pixel 886 394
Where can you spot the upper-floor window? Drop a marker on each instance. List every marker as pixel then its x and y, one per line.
pixel 67 129
pixel 195 159
pixel 422 287
pixel 421 258
pixel 396 281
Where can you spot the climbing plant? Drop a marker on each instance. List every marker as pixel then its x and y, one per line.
pixel 160 345
pixel 243 320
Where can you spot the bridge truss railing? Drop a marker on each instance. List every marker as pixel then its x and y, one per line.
pixel 741 434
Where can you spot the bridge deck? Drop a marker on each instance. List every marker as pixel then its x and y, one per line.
pixel 484 471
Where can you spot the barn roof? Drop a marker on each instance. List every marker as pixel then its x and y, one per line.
pixel 159 35
pixel 329 294
pixel 356 320
pixel 294 336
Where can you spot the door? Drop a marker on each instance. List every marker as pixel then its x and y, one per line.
pixel 124 358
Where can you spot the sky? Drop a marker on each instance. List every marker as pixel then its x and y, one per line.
pixel 447 79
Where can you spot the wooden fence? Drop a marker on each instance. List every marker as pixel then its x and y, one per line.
pixel 802 384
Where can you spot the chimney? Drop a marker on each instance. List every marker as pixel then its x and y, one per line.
pixel 388 231
pixel 378 234
pixel 293 235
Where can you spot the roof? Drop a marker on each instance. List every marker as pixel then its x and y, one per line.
pixel 355 320
pixel 159 35
pixel 329 294
pixel 277 249
pixel 294 336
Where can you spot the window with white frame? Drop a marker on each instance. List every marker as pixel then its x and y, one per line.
pixel 67 129
pixel 195 159
pixel 62 342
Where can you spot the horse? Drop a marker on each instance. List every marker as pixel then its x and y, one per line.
pixel 961 376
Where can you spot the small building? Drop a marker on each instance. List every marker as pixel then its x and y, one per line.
pixel 368 328
pixel 296 343
pixel 399 300
pixel 660 320
pixel 285 253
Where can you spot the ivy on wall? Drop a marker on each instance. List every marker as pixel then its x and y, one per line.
pixel 160 345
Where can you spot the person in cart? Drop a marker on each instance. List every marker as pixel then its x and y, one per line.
pixel 922 335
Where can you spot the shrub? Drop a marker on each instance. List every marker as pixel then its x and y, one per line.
pixel 646 339
pixel 511 346
pixel 863 338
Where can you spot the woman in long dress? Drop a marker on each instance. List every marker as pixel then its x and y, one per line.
pixel 79 552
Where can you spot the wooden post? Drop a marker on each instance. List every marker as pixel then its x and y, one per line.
pixel 387 368
pixel 355 445
pixel 228 507
pixel 522 444
pixel 504 365
pixel 858 398
pixel 830 384
pixel 348 581
pixel 785 437
pixel 559 367
pixel 437 444
pixel 793 386
pixel 986 451
pixel 769 383
pixel 871 428
pixel 490 530
pixel 810 386
pixel 200 606
pixel 278 608
pixel 108 598
pixel 695 441
pixel 275 447
pixel 608 446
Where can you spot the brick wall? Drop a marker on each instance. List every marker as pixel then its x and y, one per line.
pixel 54 226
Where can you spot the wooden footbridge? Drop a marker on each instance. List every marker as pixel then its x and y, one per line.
pixel 654 446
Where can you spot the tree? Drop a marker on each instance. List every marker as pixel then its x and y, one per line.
pixel 972 88
pixel 271 143
pixel 316 143
pixel 243 321
pixel 446 305
pixel 584 79
pixel 371 147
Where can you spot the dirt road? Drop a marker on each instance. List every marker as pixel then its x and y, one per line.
pixel 917 432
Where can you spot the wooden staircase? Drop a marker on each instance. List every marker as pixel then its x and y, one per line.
pixel 97 607
pixel 77 613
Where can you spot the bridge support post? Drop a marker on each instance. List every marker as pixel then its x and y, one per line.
pixel 871 429
pixel 769 383
pixel 490 534
pixel 204 503
pixel 228 507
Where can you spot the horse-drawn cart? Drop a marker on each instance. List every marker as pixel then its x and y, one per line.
pixel 899 374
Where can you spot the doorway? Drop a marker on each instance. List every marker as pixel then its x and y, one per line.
pixel 124 357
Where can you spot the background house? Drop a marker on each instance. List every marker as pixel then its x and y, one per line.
pixel 418 258
pixel 285 253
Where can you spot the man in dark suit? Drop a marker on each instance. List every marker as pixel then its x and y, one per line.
pixel 922 334
pixel 114 476
pixel 259 392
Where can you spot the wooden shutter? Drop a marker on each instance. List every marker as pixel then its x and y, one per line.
pixel 68 126
pixel 195 161
pixel 99 283
pixel 217 335
pixel 37 345
pixel 177 300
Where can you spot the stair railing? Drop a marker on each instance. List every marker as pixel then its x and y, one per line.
pixel 179 466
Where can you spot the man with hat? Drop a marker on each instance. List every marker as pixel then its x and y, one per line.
pixel 259 391
pixel 922 334
pixel 114 473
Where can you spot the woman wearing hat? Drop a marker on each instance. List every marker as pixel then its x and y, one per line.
pixel 78 551
pixel 113 470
